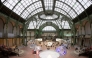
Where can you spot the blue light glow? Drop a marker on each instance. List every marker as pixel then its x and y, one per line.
pixel 61 50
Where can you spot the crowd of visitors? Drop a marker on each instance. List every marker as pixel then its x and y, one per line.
pixel 6 51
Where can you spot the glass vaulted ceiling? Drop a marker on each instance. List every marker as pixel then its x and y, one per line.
pixel 64 8
pixel 26 8
pixel 62 24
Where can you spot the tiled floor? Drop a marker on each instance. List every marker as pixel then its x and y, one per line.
pixel 28 54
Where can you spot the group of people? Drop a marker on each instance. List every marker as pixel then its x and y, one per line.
pixel 6 51
pixel 66 45
pixel 87 54
pixel 84 51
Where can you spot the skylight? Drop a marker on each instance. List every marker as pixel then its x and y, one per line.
pixel 48 4
pixel 23 7
pixel 26 8
pixel 48 28
pixel 49 17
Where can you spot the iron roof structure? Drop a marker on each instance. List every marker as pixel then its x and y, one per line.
pixel 40 13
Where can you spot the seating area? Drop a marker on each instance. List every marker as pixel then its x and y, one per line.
pixel 83 51
pixel 86 54
pixel 5 51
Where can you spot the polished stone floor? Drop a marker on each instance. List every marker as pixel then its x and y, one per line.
pixel 27 53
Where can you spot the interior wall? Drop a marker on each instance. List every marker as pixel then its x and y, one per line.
pixel 8 30
pixel 87 42
pixel 10 27
pixel 18 30
pixel 79 30
pixel 1 26
pixel 1 41
pixel 87 28
pixel 14 31
pixel 84 34
pixel 83 31
pixel 10 43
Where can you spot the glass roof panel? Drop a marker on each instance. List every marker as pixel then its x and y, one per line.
pixel 48 28
pixel 32 8
pixel 48 4
pixel 21 6
pixel 48 17
pixel 41 22
pixel 85 3
pixel 61 11
pixel 10 3
pixel 18 9
pixel 60 23
pixel 65 8
pixel 76 6
pixel 37 11
pixel 34 12
pixel 25 7
pixel 37 23
pixel 65 25
pixel 25 13
pixel 72 14
pixel 55 22
pixel 32 25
